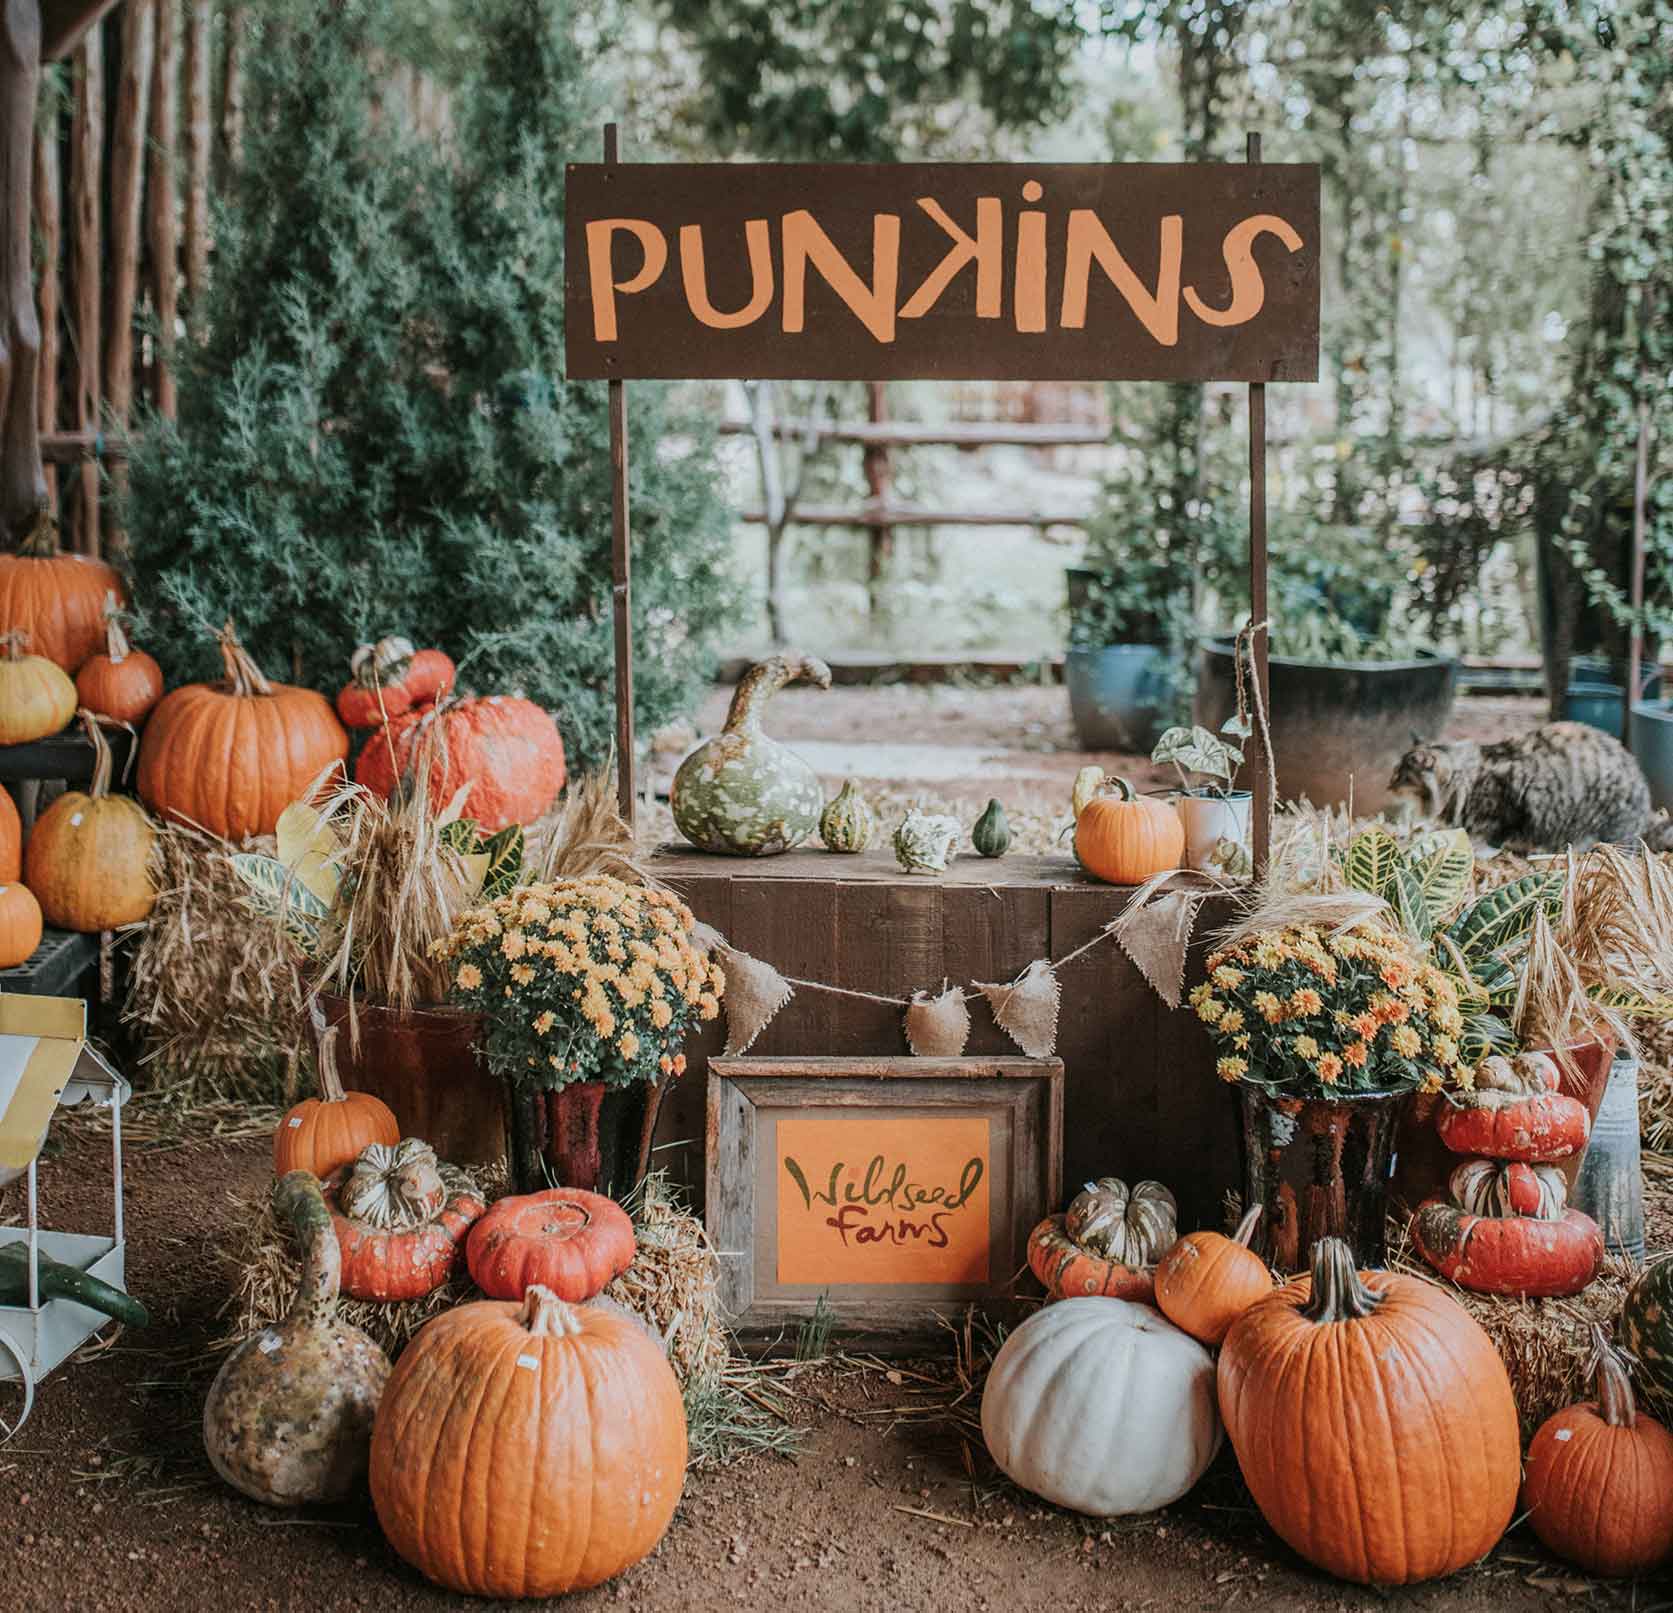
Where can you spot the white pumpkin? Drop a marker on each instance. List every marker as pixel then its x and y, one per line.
pixel 1103 1406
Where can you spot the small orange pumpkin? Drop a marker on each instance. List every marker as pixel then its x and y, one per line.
pixel 322 1133
pixel 1599 1483
pixel 1123 838
pixel 565 1239
pixel 120 682
pixel 20 925
pixel 1207 1280
pixel 11 840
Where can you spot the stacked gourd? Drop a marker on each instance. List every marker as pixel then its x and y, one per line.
pixel 1507 1227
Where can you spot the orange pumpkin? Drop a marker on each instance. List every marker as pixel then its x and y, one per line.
pixel 1124 838
pixel 587 1433
pixel 36 696
pixel 389 678
pixel 507 749
pixel 1599 1484
pixel 20 925
pixel 89 857
pixel 11 840
pixel 1373 1421
pixel 568 1240
pixel 57 599
pixel 1207 1280
pixel 320 1134
pixel 119 682
pixel 1068 1271
pixel 230 757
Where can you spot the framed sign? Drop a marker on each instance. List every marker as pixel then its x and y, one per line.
pixel 943 271
pixel 895 1189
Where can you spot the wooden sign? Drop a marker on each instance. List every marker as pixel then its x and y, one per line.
pixel 893 1189
pixel 948 271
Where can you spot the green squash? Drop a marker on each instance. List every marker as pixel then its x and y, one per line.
pixel 848 823
pixel 992 834
pixel 58 1281
pixel 741 793
pixel 1646 1325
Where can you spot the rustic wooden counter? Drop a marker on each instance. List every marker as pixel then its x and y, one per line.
pixel 1140 1097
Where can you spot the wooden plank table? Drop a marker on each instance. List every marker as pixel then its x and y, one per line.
pixel 1140 1098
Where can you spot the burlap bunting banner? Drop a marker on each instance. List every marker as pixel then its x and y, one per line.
pixel 755 991
pixel 1027 1010
pixel 937 1026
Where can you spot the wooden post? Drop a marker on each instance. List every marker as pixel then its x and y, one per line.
pixel 621 573
pixel 232 85
pixel 197 156
pixel 162 227
pixel 879 473
pixel 86 149
pixel 1640 520
pixel 1260 638
pixel 127 179
pixel 49 229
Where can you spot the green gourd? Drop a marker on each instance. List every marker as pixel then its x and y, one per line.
pixel 992 834
pixel 847 823
pixel 58 1281
pixel 1646 1325
pixel 741 793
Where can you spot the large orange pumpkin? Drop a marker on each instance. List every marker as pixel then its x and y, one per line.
pixel 20 925
pixel 57 599
pixel 119 682
pixel 1373 1421
pixel 36 695
pixel 1124 838
pixel 11 840
pixel 1599 1484
pixel 89 856
pixel 507 749
pixel 230 757
pixel 320 1134
pixel 1207 1280
pixel 583 1420
pixel 565 1239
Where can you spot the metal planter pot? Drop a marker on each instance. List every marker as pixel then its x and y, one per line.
pixel 1652 744
pixel 1118 696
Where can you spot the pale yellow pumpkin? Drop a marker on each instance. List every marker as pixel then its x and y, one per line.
pixel 36 696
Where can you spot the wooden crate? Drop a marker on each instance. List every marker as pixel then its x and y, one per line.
pixel 1140 1094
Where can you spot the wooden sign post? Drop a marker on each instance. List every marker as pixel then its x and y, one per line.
pixel 943 271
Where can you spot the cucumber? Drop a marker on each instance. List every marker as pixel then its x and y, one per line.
pixel 58 1281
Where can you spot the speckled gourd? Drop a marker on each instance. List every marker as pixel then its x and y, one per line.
pixel 740 792
pixel 289 1416
pixel 924 841
pixel 848 823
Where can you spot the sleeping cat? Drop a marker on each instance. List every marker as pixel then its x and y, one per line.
pixel 1565 784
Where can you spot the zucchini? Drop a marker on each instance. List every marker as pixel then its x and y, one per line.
pixel 58 1281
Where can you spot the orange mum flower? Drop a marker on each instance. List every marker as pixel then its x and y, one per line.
pixel 1356 1054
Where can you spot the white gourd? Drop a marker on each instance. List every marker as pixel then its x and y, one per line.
pixel 1103 1406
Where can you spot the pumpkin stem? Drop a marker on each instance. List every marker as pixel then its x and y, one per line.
pixel 117 646
pixel 92 725
pixel 298 1200
pixel 1246 1227
pixel 1338 1294
pixel 1614 1388
pixel 1122 790
pixel 330 1078
pixel 763 680
pixel 243 674
pixel 16 643
pixel 547 1316
pixel 42 541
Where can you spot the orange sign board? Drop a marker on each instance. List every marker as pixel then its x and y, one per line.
pixel 901 1202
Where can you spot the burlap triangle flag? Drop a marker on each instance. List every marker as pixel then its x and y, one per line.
pixel 1155 932
pixel 939 1026
pixel 755 991
pixel 1027 1010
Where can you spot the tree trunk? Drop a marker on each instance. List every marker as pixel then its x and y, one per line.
pixel 49 226
pixel 197 157
pixel 22 482
pixel 162 228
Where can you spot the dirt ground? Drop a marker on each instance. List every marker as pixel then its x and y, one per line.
pixel 106 1501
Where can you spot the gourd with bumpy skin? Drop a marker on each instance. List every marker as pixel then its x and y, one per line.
pixel 1516 1112
pixel 741 793
pixel 1598 1488
pixel 924 841
pixel 36 696
pixel 847 823
pixel 1646 1324
pixel 389 678
pixel 289 1417
pixel 570 1241
pixel 1207 1280
pixel 324 1133
pixel 1134 1228
pixel 1067 1270
pixel 991 835
pixel 1375 1385
pixel 583 1420
pixel 1102 1406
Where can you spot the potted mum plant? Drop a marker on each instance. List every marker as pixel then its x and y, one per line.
pixel 586 988
pixel 1325 1030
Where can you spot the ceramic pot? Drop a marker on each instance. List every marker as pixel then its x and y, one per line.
pixel 1210 817
pixel 586 1135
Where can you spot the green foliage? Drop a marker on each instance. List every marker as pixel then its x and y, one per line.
pixel 374 435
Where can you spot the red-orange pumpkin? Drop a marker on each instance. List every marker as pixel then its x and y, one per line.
pixel 1068 1271
pixel 230 757
pixel 1521 1255
pixel 389 678
pixel 1124 838
pixel 57 599
pixel 401 1219
pixel 11 840
pixel 1207 1280
pixel 568 1240
pixel 120 682
pixel 1533 1130
pixel 526 1450
pixel 20 925
pixel 1373 1421
pixel 324 1133
pixel 1599 1483
pixel 507 749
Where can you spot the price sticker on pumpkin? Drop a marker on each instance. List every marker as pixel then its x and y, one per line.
pixel 294 1122
pixel 532 1362
pixel 270 1343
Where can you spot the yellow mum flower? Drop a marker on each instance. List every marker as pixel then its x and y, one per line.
pixel 1227 978
pixel 1446 1052
pixel 1241 1043
pixel 521 974
pixel 628 1045
pixel 661 1015
pixel 1210 1010
pixel 469 976
pixel 708 1005
pixel 514 944
pixel 1306 1048
pixel 1405 1041
pixel 1231 1069
pixel 1306 1001
pixel 1268 1007
pixel 544 1021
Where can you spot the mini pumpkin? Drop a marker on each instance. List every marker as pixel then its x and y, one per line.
pixel 120 682
pixel 11 840
pixel 324 1133
pixel 1207 1280
pixel 568 1240
pixel 389 678
pixel 401 1218
pixel 1598 1488
pixel 20 925
pixel 847 824
pixel 1516 1112
pixel 1123 838
pixel 1133 1228
pixel 1068 1271
pixel 36 695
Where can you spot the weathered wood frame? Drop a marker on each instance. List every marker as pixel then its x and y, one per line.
pixel 745 1097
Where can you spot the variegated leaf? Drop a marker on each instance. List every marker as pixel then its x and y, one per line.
pixel 505 861
pixel 1505 915
pixel 1411 901
pixel 309 846
pixel 1371 861
pixel 1443 861
pixel 273 890
pixel 459 834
